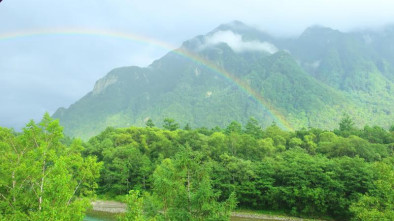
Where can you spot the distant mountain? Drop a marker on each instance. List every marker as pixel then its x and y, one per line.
pixel 236 72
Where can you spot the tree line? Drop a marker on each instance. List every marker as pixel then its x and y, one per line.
pixel 312 172
pixel 170 173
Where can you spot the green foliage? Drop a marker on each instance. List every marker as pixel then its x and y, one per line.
pixel 252 127
pixel 42 179
pixel 194 174
pixel 346 126
pixel 378 203
pixel 234 127
pixel 202 174
pixel 187 127
pixel 170 124
pixel 135 208
pixel 377 135
pixel 149 123
pixel 352 146
pixel 325 74
pixel 184 187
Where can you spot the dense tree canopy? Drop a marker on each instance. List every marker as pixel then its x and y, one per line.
pixel 42 179
pixel 198 174
pixel 308 172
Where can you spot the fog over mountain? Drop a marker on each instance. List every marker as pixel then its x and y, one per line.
pixel 44 66
pixel 236 72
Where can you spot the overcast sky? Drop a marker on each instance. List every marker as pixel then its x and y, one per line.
pixel 40 73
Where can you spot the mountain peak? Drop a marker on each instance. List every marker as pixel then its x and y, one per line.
pixel 318 30
pixel 237 35
pixel 309 85
pixel 236 27
pixel 237 24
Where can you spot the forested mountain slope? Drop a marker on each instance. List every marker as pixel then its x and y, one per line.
pixel 236 72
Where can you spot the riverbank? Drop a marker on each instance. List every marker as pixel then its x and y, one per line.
pixel 115 207
pixel 108 206
pixel 259 216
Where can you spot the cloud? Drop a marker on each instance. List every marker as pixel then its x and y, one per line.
pixel 40 73
pixel 236 43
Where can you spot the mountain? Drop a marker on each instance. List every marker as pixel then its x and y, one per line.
pixel 236 72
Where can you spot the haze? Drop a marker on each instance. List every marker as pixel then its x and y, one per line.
pixel 40 73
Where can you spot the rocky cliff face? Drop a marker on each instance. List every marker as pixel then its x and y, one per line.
pixel 103 83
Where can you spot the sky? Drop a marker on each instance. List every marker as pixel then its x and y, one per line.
pixel 45 64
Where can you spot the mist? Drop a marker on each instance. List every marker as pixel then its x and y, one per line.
pixel 43 72
pixel 236 43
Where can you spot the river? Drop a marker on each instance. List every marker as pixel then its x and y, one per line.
pixel 103 210
pixel 103 216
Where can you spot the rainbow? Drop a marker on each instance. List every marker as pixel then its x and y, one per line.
pixel 148 40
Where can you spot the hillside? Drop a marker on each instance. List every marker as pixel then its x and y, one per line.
pixel 236 72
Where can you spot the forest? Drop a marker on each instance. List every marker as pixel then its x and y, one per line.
pixel 165 172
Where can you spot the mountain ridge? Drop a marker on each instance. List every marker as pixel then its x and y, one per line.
pixel 306 81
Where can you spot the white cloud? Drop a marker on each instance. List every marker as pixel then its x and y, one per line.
pixel 77 62
pixel 236 43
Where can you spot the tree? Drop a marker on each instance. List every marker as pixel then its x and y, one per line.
pixel 253 128
pixel 295 142
pixel 187 127
pixel 301 184
pixel 377 135
pixel 355 177
pixel 378 203
pixel 346 126
pixel 183 185
pixel 170 124
pixel 41 179
pixel 149 123
pixel 196 175
pixel 309 143
pixel 234 127
pixel 236 175
pixel 346 123
pixel 135 208
pixel 125 168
